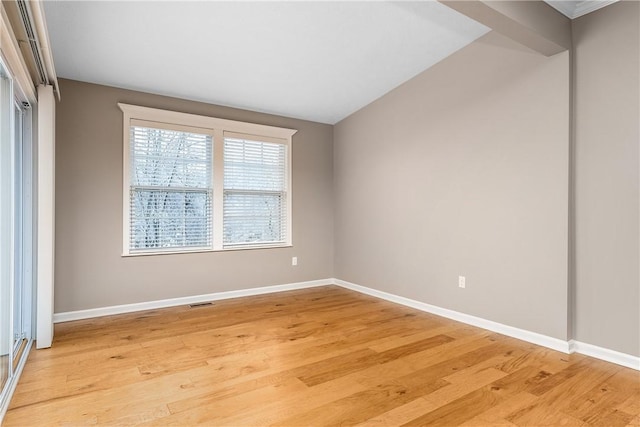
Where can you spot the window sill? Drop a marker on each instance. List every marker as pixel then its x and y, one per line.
pixel 203 250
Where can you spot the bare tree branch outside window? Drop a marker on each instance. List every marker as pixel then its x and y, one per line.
pixel 170 194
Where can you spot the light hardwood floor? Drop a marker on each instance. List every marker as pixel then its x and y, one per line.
pixel 321 356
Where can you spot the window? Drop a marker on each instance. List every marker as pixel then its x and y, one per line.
pixel 195 183
pixel 170 188
pixel 255 193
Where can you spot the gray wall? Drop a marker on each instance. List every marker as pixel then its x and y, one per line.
pixel 463 170
pixel 89 269
pixel 607 110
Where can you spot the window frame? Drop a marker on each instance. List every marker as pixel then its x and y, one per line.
pixel 217 128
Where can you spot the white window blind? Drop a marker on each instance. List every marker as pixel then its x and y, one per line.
pixel 170 189
pixel 255 192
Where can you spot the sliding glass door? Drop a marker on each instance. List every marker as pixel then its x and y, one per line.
pixel 6 224
pixel 22 233
pixel 16 232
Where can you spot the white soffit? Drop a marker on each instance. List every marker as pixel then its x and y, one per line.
pixel 319 61
pixel 574 9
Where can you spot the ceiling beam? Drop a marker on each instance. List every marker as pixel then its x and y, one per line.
pixel 534 24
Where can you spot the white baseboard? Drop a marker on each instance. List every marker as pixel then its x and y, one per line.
pixel 522 334
pixel 571 346
pixel 606 354
pixel 172 302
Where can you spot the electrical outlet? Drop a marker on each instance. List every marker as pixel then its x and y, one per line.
pixel 462 282
pixel 294 260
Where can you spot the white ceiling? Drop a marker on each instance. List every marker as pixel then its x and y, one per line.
pixel 319 61
pixel 576 8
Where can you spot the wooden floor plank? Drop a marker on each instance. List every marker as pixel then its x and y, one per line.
pixel 321 356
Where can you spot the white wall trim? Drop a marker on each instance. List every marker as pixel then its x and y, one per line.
pixel 576 10
pixel 521 334
pixel 590 6
pixel 606 354
pixel 46 216
pixel 567 9
pixel 571 346
pixel 172 302
pixel 42 34
pixel 205 122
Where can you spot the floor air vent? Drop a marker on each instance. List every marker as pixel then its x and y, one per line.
pixel 200 304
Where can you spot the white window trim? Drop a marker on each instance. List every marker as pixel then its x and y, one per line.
pixel 218 128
